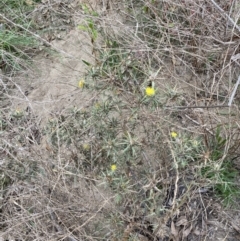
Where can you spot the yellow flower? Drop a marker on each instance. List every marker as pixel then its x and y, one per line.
pixel 114 167
pixel 97 105
pixel 86 147
pixel 150 91
pixel 174 134
pixel 17 112
pixel 81 83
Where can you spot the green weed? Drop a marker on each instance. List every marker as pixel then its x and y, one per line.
pixel 220 170
pixel 186 148
pixel 15 44
pixel 90 25
pixel 13 47
pixel 90 28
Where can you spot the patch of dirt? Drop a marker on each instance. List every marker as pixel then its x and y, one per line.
pixel 55 86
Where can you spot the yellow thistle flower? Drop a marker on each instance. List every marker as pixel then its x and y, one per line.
pixel 18 111
pixel 86 147
pixel 174 134
pixel 81 83
pixel 114 168
pixel 150 91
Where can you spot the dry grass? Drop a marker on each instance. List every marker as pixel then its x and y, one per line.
pixel 176 153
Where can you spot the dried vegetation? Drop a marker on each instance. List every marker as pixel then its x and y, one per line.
pixel 120 163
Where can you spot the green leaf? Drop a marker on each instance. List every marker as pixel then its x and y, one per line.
pixel 85 62
pixel 83 27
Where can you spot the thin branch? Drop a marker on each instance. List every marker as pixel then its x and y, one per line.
pixel 177 177
pixel 195 107
pixel 57 226
pixel 234 91
pixel 234 24
pixel 212 106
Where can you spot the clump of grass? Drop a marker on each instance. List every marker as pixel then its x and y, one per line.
pixel 15 44
pixel 89 26
pixel 215 166
pixel 18 12
pixel 220 171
